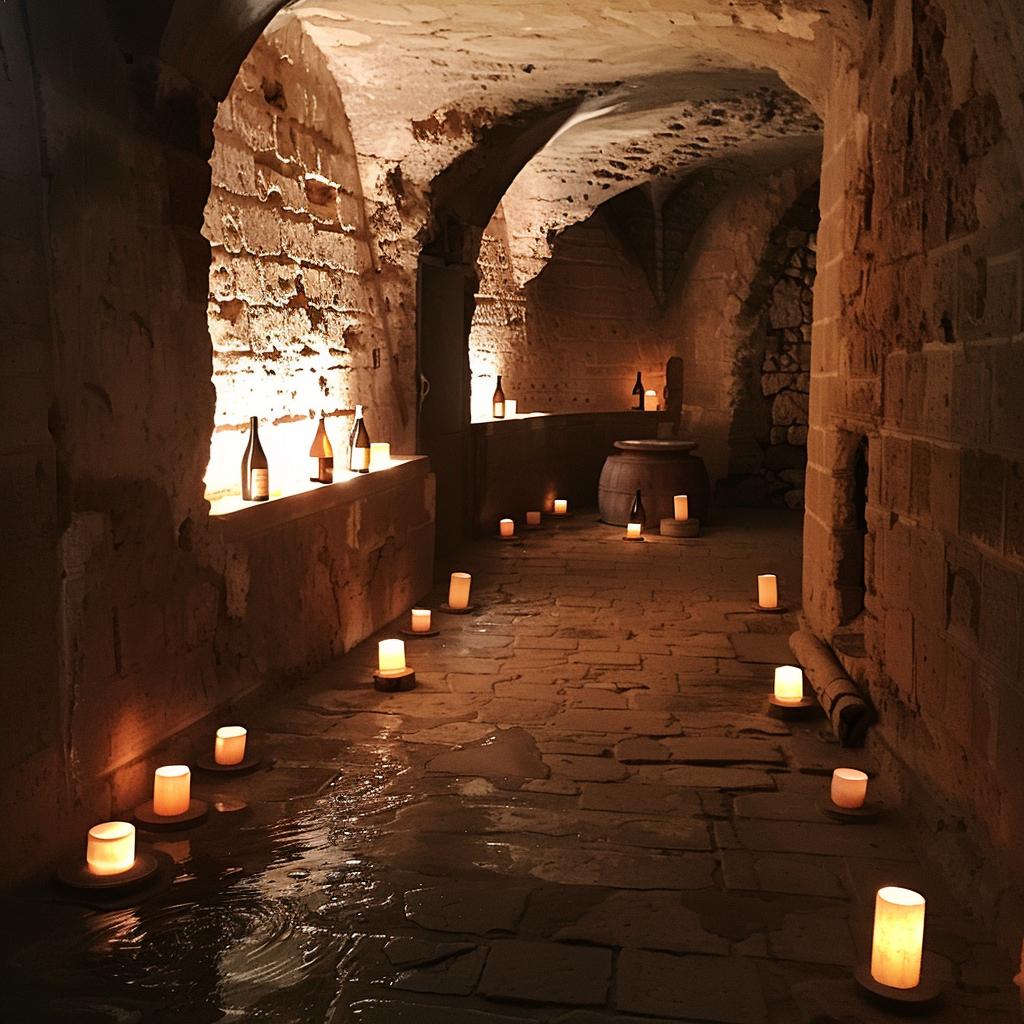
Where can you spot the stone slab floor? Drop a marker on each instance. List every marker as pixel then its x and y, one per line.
pixel 582 814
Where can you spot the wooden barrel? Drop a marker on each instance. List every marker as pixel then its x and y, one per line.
pixel 659 469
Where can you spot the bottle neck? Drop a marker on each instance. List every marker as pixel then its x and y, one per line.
pixel 359 412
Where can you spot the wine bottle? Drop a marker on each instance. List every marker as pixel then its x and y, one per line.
pixel 321 454
pixel 255 472
pixel 638 390
pixel 637 513
pixel 359 445
pixel 498 402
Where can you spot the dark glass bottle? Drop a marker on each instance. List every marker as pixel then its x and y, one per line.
pixel 255 472
pixel 638 390
pixel 359 445
pixel 321 454
pixel 637 513
pixel 498 401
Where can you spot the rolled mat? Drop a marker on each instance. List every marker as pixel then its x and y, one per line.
pixel 840 699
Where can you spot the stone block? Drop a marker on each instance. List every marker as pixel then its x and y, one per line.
pixel 709 988
pixel 944 499
pixel 899 653
pixel 982 480
pixel 547 972
pixel 723 750
pixel 928 572
pixel 1000 617
pixel 895 473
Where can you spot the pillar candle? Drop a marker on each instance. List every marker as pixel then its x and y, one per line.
pixel 767 591
pixel 110 848
pixel 533 518
pixel 421 620
pixel 633 531
pixel 229 747
pixel 380 455
pixel 391 656
pixel 507 527
pixel 561 506
pixel 789 684
pixel 171 786
pixel 682 506
pixel 849 787
pixel 898 937
pixel 458 590
pixel 510 407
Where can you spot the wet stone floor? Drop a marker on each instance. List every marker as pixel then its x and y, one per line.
pixel 582 814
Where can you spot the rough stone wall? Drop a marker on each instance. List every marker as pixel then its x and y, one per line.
pixel 300 314
pixel 917 348
pixel 768 435
pixel 589 319
pixel 497 336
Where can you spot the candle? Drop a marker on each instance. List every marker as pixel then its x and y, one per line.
pixel 391 656
pixel 533 519
pixel 849 787
pixel 171 785
pixel 421 620
pixel 682 506
pixel 510 407
pixel 789 684
pixel 507 527
pixel 898 937
pixel 561 506
pixel 458 590
pixel 380 455
pixel 767 591
pixel 633 531
pixel 229 747
pixel 651 396
pixel 110 848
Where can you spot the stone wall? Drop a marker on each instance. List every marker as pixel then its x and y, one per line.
pixel 124 626
pixel 917 342
pixel 768 435
pixel 300 313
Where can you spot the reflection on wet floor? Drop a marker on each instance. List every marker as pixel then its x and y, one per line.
pixel 582 814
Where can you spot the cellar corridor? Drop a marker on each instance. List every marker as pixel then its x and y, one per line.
pixel 582 814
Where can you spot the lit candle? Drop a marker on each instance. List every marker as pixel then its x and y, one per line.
pixel 849 787
pixel 229 747
pixel 391 656
pixel 533 519
pixel 171 785
pixel 633 531
pixel 110 848
pixel 682 506
pixel 510 407
pixel 507 527
pixel 898 937
pixel 651 395
pixel 380 455
pixel 561 506
pixel 789 684
pixel 767 591
pixel 458 590
pixel 421 620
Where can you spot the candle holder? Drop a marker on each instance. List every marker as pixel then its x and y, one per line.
pixel 148 819
pixel 80 874
pixel 507 532
pixel 533 521
pixel 637 537
pixel 394 679
pixel 791 710
pixel 449 610
pixel 788 700
pixel 779 609
pixel 172 807
pixel 893 977
pixel 680 527
pixel 847 797
pixel 419 634
pixel 230 734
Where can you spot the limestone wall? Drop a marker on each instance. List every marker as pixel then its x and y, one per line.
pixel 917 348
pixel 302 318
pixel 123 623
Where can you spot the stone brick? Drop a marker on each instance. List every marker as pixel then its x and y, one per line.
pixel 547 972
pixel 981 497
pixel 723 989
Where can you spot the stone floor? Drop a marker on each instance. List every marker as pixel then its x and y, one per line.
pixel 582 814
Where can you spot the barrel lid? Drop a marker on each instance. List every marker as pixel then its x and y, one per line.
pixel 652 444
